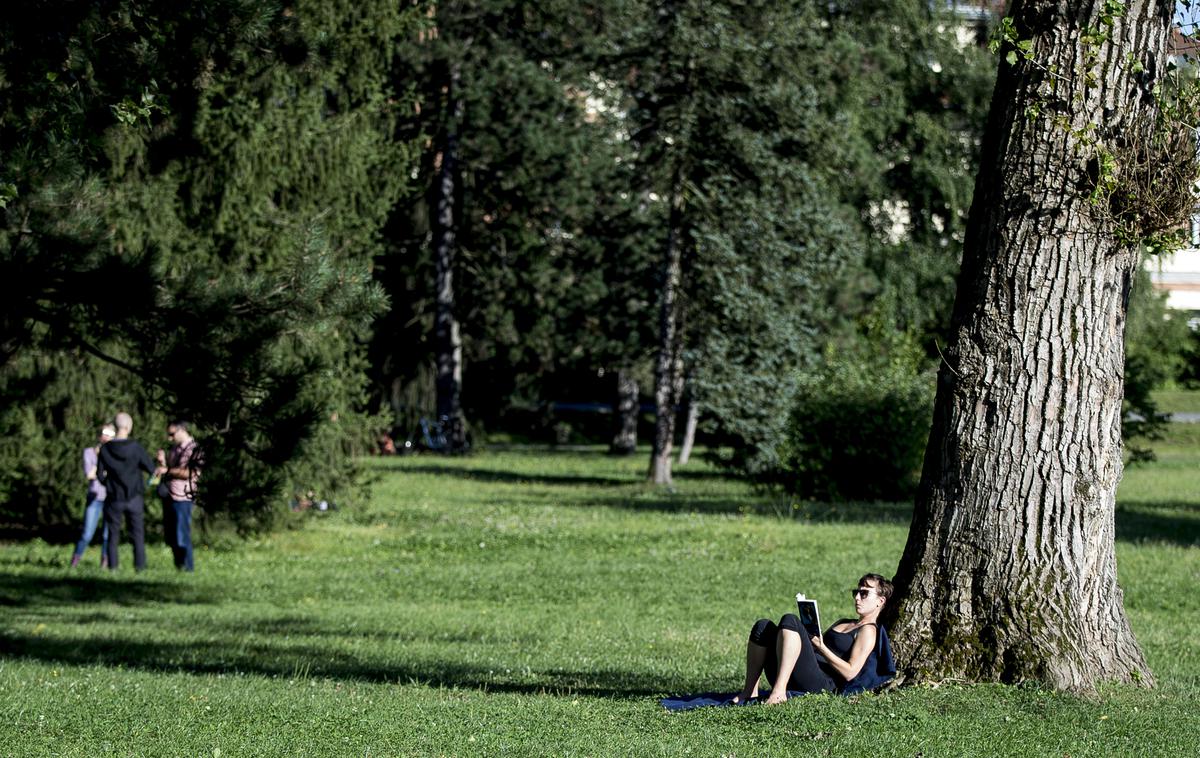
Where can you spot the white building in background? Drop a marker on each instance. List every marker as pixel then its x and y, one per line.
pixel 1178 274
pixel 982 11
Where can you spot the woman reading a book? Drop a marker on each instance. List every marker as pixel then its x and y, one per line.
pixel 852 656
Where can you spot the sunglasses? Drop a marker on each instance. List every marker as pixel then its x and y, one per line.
pixel 861 593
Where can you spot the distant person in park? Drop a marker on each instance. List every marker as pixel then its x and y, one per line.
pixel 121 466
pixel 852 656
pixel 384 444
pixel 180 471
pixel 93 512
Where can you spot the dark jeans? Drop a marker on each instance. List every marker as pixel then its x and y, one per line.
pixel 807 676
pixel 169 528
pixel 178 528
pixel 134 512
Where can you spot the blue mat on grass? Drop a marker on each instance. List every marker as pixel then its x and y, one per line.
pixel 710 700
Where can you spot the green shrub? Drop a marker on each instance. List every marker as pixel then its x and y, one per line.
pixel 859 424
pixel 1156 354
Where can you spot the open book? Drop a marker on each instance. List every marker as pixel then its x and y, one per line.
pixel 809 616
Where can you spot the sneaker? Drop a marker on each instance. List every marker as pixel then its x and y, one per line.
pixel 104 561
pixel 74 560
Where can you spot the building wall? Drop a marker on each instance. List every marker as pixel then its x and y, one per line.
pixel 1178 274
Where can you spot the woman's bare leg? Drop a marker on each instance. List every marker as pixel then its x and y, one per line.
pixel 788 645
pixel 756 656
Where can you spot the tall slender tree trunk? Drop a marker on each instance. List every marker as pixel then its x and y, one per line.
pixel 689 430
pixel 667 364
pixel 1009 573
pixel 628 409
pixel 446 332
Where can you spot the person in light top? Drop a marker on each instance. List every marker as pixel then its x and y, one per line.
pixel 93 512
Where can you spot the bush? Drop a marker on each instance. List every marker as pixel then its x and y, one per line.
pixel 859 424
pixel 1156 354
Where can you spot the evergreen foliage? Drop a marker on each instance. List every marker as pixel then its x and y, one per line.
pixel 224 211
pixel 1189 374
pixel 906 89
pixel 801 135
pixel 201 216
pixel 532 171
pixel 722 121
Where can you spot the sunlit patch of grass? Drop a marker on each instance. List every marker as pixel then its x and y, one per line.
pixel 1177 401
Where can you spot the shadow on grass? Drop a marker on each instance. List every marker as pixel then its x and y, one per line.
pixel 292 661
pixel 779 507
pixel 1175 522
pixel 55 534
pixel 1170 522
pixel 699 475
pixel 24 591
pixel 516 477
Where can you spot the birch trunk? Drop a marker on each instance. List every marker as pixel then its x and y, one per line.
pixel 628 409
pixel 1009 573
pixel 447 338
pixel 666 369
pixel 689 432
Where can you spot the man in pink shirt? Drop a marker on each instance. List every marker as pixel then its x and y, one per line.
pixel 180 470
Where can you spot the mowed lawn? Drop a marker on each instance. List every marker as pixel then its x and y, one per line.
pixel 531 602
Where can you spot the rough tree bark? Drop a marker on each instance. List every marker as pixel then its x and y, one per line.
pixel 447 339
pixel 1009 573
pixel 628 408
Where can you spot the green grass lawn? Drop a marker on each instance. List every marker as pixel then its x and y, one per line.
pixel 1177 401
pixel 527 602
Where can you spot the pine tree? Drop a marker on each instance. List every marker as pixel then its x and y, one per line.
pixel 750 244
pixel 496 251
pixel 228 167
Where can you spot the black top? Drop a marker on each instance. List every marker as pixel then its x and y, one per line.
pixel 118 467
pixel 842 643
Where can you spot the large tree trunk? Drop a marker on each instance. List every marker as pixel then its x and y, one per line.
pixel 628 409
pixel 667 372
pixel 1009 573
pixel 446 333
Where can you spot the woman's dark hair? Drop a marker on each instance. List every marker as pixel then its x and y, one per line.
pixel 882 586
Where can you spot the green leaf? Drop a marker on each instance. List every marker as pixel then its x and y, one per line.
pixel 7 192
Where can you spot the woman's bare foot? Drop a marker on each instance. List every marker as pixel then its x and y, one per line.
pixel 744 696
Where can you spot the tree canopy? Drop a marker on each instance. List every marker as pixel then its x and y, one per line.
pixel 196 192
pixel 300 225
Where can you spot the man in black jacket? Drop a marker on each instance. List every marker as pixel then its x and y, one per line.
pixel 120 467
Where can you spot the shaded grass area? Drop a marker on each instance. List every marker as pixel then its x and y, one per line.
pixel 530 602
